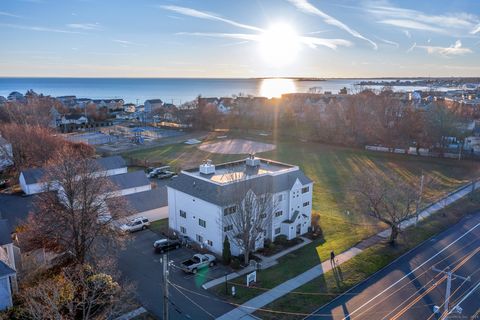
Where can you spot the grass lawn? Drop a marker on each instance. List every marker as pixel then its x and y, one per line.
pixel 159 226
pixel 330 167
pixel 311 296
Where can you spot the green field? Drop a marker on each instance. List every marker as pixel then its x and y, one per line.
pixel 330 168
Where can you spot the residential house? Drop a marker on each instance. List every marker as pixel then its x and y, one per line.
pixel 67 101
pixel 152 204
pixel 199 199
pixel 110 104
pixel 7 255
pixel 130 182
pixel 6 273
pixel 6 154
pixel 32 181
pixel 152 104
pixel 73 119
pixel 16 96
pixel 129 107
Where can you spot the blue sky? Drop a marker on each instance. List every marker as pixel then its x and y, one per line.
pixel 207 38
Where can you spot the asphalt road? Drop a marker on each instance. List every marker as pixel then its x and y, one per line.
pixel 409 288
pixel 188 299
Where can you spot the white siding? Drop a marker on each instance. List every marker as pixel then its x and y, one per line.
pixel 196 209
pixel 128 191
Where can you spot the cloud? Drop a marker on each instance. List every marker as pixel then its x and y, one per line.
pixel 8 14
pixel 127 43
pixel 412 47
pixel 37 28
pixel 85 26
pixel 312 42
pixel 206 15
pixel 455 49
pixel 389 42
pixel 476 29
pixel 407 34
pixel 411 24
pixel 413 19
pixel 307 7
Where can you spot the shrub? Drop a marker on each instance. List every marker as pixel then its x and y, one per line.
pixel 281 240
pixel 226 253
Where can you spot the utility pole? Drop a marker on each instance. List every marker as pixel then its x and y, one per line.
pixel 450 276
pixel 165 286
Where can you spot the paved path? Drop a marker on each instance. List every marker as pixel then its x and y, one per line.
pixel 277 292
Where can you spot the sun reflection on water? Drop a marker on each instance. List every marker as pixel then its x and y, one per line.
pixel 274 88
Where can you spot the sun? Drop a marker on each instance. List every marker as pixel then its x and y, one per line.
pixel 279 44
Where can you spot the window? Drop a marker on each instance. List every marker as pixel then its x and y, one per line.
pixel 228 228
pixel 280 197
pixel 202 223
pixel 263 215
pixel 229 210
pixel 278 213
pixel 199 238
pixel 277 230
pixel 183 230
pixel 183 214
pixel 210 243
pixel 306 203
pixel 305 189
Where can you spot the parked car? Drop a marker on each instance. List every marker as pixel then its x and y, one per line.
pixel 165 174
pixel 198 261
pixel 164 245
pixel 140 223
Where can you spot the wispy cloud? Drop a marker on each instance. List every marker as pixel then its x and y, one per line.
pixel 389 42
pixel 127 43
pixel 8 14
pixel 307 7
pixel 412 47
pixel 37 28
pixel 85 26
pixel 413 19
pixel 455 49
pixel 312 42
pixel 476 29
pixel 207 15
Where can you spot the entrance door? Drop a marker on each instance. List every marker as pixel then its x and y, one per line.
pixel 298 229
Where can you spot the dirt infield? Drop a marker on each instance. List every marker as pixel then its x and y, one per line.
pixel 236 146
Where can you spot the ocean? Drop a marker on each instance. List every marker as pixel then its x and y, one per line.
pixel 173 90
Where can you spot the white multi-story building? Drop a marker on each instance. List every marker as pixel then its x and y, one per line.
pixel 199 199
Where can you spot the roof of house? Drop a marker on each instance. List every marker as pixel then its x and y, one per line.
pixel 130 180
pixel 15 208
pixel 154 101
pixel 34 175
pixel 3 141
pixel 147 200
pixel 5 270
pixel 74 116
pixel 5 232
pixel 294 217
pixel 226 194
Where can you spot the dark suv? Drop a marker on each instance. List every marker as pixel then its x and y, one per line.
pixel 164 245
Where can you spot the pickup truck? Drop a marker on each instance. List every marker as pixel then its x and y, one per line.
pixel 198 261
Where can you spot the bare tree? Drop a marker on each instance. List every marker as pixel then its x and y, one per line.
pixel 388 199
pixel 249 215
pixel 77 211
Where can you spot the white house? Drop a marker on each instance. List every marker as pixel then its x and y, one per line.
pixel 32 180
pixel 151 204
pixel 152 104
pixel 130 182
pixel 6 153
pixel 8 281
pixel 74 119
pixel 199 198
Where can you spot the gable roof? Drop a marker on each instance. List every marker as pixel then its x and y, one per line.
pixel 16 208
pixel 223 195
pixel 5 270
pixel 154 101
pixel 130 180
pixel 34 175
pixel 147 200
pixel 5 232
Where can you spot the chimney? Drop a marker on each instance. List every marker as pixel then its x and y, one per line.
pixel 252 161
pixel 207 167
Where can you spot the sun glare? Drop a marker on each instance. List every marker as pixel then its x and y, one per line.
pixel 279 44
pixel 274 88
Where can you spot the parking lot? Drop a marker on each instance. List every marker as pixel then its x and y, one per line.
pixel 140 264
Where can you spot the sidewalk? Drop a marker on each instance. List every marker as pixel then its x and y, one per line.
pixel 277 292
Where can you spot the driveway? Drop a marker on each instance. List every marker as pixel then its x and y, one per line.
pixel 189 300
